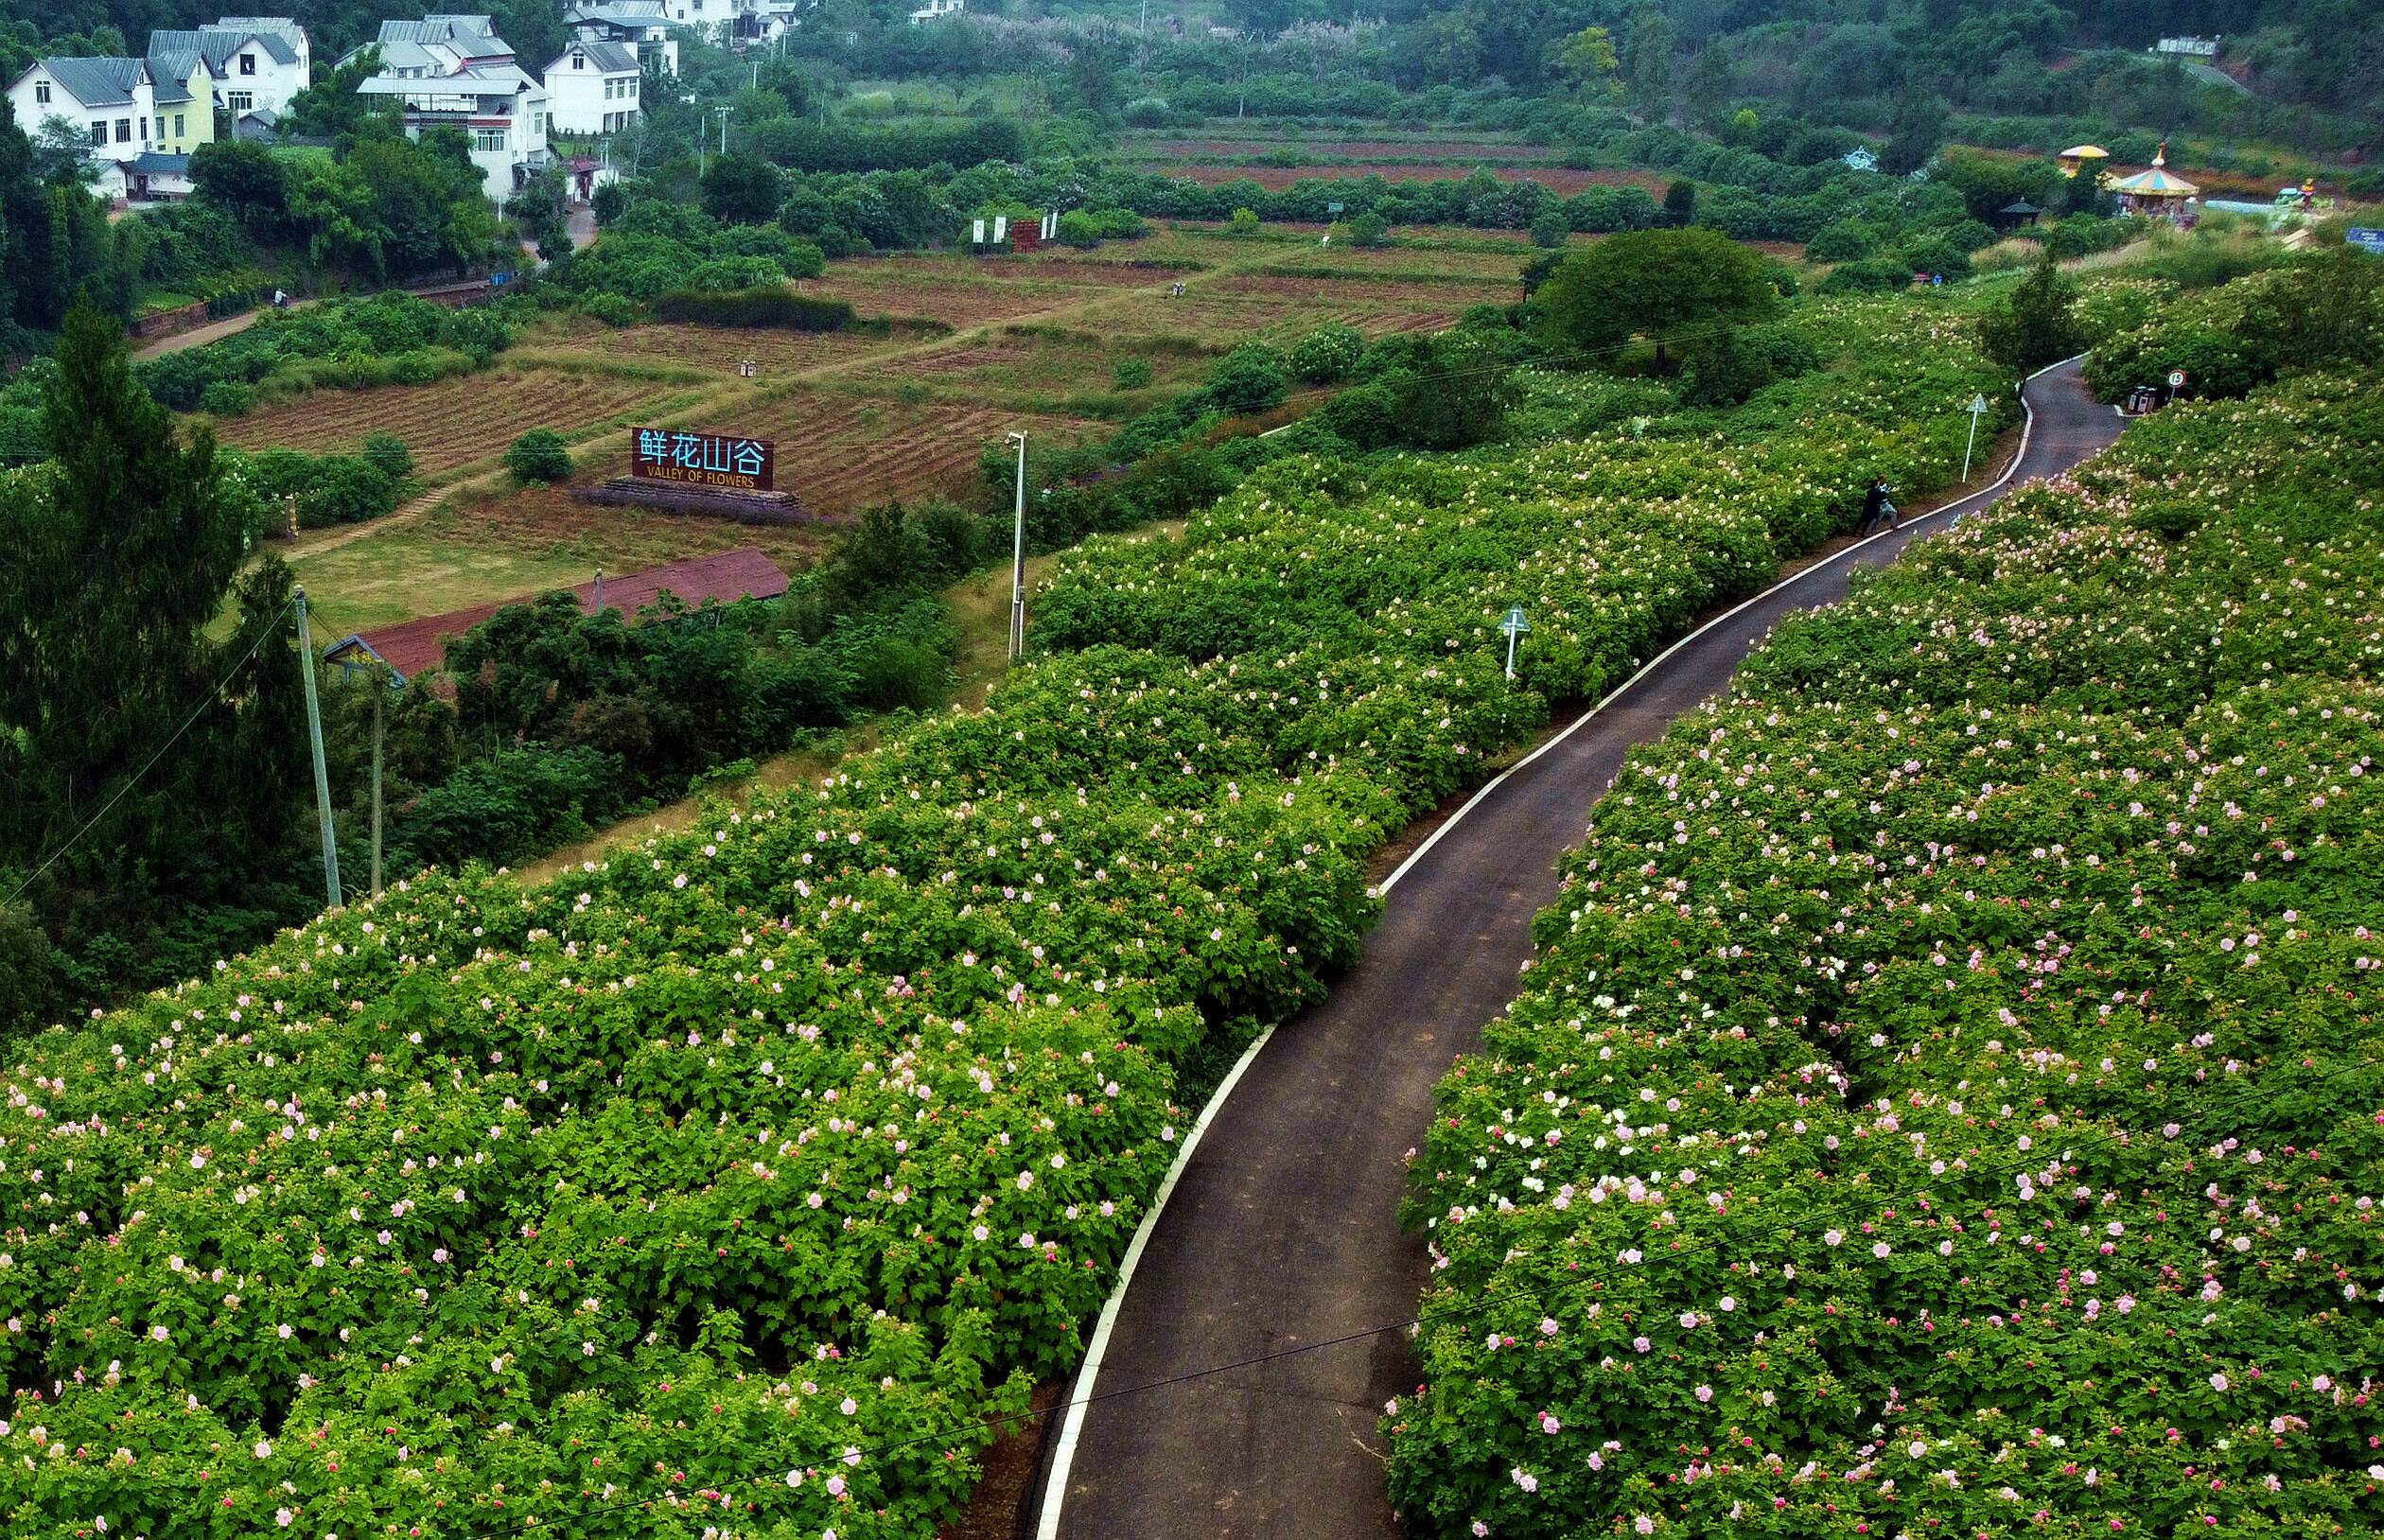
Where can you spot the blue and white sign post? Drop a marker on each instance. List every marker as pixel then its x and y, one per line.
pixel 2366 239
pixel 1514 626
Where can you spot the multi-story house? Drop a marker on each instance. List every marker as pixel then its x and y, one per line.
pixel 454 70
pixel 592 87
pixel 643 26
pixel 254 62
pixel 131 108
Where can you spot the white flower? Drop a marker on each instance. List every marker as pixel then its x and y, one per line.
pixel 264 1450
pixel 1728 1305
pixel 284 1518
pixel 159 1334
pixel 1916 1449
pixel 1831 1237
pixel 848 1405
pixel 2218 1382
pixel 1879 1249
pixel 1643 1524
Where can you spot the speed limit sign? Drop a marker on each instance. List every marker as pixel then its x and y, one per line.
pixel 2177 378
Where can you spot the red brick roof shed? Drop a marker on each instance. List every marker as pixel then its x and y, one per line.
pixel 414 646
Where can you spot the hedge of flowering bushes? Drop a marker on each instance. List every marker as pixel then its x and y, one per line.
pixel 736 1183
pixel 1949 1098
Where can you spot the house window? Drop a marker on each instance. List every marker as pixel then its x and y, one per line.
pixel 491 140
pixel 41 92
pixel 145 130
pixel 123 131
pixel 578 61
pixel 179 129
pixel 248 63
pixel 100 133
pixel 537 122
pixel 239 101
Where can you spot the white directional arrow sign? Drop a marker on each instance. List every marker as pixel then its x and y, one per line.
pixel 1977 409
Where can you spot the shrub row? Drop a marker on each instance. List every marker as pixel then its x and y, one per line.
pixel 1947 1097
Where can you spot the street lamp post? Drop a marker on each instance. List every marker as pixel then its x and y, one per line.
pixel 1018 560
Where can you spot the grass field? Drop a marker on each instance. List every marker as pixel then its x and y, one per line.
pixel 857 418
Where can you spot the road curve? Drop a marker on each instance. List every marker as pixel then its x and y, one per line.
pixel 1282 1228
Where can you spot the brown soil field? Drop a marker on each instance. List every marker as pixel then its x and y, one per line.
pixel 966 290
pixel 445 424
pixel 719 348
pixel 549 522
pixel 1561 181
pixel 1351 292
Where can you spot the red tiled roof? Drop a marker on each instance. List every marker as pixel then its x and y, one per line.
pixel 415 645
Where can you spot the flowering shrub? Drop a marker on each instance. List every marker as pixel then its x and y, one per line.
pixel 1946 1099
pixel 739 1181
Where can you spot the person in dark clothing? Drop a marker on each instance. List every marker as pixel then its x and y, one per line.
pixel 1876 504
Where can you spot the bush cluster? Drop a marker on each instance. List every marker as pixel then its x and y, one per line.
pixel 1946 1097
pixel 389 338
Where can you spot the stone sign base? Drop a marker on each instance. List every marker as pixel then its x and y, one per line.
pixel 720 502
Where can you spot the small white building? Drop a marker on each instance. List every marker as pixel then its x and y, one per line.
pixel 643 26
pixel 933 8
pixel 592 87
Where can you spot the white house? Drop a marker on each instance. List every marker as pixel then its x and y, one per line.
pixel 111 99
pixel 254 62
pixel 592 87
pixel 454 70
pixel 643 26
pixel 933 9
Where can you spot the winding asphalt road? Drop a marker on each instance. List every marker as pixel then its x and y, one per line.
pixel 1282 1229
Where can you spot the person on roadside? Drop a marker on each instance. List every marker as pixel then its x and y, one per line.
pixel 1877 506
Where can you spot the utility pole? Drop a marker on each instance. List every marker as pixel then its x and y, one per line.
pixel 314 739
pixel 1018 560
pixel 379 689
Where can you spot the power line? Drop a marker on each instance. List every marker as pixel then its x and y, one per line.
pixel 204 701
pixel 1413 1323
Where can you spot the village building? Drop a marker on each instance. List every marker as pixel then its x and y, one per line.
pixel 454 71
pixel 592 87
pixel 642 25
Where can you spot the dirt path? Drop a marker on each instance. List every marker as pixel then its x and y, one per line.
pixel 1282 1233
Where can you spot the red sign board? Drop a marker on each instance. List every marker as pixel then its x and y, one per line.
pixel 723 460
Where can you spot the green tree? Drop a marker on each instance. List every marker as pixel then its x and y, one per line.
pixel 742 188
pixel 120 552
pixel 1680 202
pixel 2035 324
pixel 1664 285
pixel 242 177
pixel 540 455
pixel 1916 129
pixel 1249 380
pixel 1647 61
pixel 1587 63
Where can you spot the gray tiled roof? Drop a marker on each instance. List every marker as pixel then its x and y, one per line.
pixel 611 57
pixel 170 71
pixel 98 82
pixel 218 44
pixel 153 163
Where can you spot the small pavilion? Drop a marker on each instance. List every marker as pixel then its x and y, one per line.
pixel 2084 158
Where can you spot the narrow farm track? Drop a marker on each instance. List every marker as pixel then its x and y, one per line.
pixel 1282 1231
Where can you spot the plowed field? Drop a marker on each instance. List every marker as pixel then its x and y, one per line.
pixel 967 290
pixel 1361 150
pixel 718 348
pixel 445 424
pixel 839 453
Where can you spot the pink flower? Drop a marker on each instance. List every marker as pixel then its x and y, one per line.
pixel 1705 1392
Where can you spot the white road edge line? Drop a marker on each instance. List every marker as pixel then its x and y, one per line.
pixel 1063 1456
pixel 2027 427
pixel 1088 1373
